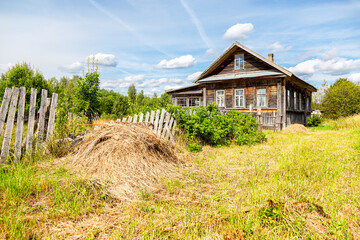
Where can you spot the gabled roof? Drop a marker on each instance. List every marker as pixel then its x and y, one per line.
pixel 229 51
pixel 240 75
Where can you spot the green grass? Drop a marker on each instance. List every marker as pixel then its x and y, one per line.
pixel 294 186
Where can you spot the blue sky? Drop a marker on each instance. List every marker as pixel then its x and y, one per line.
pixel 158 45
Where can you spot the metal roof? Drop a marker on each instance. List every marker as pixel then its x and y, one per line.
pixel 240 75
pixel 186 87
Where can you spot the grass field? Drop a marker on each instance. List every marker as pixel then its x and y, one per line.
pixel 294 186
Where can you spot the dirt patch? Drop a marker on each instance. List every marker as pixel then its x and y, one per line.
pixel 296 128
pixel 125 157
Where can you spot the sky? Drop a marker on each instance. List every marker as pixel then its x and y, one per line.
pixel 163 44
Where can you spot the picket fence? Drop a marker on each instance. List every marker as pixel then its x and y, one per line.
pixel 14 99
pixel 160 121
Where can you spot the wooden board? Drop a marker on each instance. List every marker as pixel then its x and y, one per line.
pixel 42 112
pixel 147 117
pixel 161 122
pixel 156 122
pixel 4 107
pixel 52 116
pixel 141 117
pixel 31 122
pixel 20 123
pixel 9 124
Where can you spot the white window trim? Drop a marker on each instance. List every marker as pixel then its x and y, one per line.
pixel 186 101
pixel 195 106
pixel 266 96
pixel 235 98
pixel 216 95
pixel 243 61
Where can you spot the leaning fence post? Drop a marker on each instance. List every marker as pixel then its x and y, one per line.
pixel 130 119
pixel 167 120
pixel 42 113
pixel 156 120
pixel 9 124
pixel 52 116
pixel 161 122
pixel 141 117
pixel 4 107
pixel 147 117
pixel 169 128
pixel 135 118
pixel 20 123
pixel 152 116
pixel 31 121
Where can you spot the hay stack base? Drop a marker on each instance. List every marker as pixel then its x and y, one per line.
pixel 124 157
pixel 296 128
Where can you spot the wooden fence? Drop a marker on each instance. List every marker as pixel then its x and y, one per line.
pixel 12 102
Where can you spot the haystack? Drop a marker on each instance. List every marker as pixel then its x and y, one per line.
pixel 125 157
pixel 296 128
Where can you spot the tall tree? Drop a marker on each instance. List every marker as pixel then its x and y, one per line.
pixel 132 93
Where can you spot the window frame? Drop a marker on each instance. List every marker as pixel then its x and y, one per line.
pixel 243 95
pixel 194 105
pixel 216 96
pixel 240 61
pixel 296 104
pixel 288 99
pixel 300 102
pixel 177 101
pixel 266 97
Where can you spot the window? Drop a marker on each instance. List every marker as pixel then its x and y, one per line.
pixel 295 101
pixel 239 98
pixel 194 102
pixel 181 102
pixel 220 98
pixel 261 97
pixel 288 99
pixel 239 61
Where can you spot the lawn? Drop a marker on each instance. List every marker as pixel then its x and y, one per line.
pixel 298 186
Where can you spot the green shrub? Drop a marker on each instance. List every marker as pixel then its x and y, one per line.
pixel 208 125
pixel 314 121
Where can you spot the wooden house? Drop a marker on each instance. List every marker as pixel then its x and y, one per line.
pixel 243 80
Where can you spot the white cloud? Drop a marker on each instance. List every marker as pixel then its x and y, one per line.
pixel 168 87
pixel 330 54
pixel 335 67
pixel 193 76
pixel 106 60
pixel 179 62
pixel 74 68
pixel 277 47
pixel 212 52
pixel 239 31
pixel 5 67
pixel 134 78
pixel 355 77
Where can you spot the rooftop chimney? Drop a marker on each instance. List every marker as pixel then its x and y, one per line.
pixel 271 57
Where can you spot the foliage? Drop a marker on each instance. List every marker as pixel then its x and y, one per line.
pixel 341 99
pixel 314 121
pixel 23 75
pixel 210 126
pixel 351 122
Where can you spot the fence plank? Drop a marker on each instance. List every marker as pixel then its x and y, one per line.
pixel 31 122
pixel 147 117
pixel 161 121
pixel 42 112
pixel 152 117
pixel 9 124
pixel 52 116
pixel 135 118
pixel 168 134
pixel 4 107
pixel 130 119
pixel 141 117
pixel 156 122
pixel 20 123
pixel 167 120
pixel 124 119
pixel 173 132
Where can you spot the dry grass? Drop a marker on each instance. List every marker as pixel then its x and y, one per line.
pixel 296 128
pixel 124 157
pixel 352 122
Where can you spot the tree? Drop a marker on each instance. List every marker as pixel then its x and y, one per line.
pixel 341 99
pixel 22 75
pixel 121 106
pixel 132 93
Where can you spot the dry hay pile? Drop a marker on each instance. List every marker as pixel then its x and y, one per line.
pixel 125 157
pixel 296 128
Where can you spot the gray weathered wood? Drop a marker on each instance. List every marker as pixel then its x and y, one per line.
pixel 173 132
pixel 168 133
pixel 135 118
pixel 156 122
pixel 161 122
pixel 31 121
pixel 42 112
pixel 147 117
pixel 20 123
pixel 52 116
pixel 278 104
pixel 130 119
pixel 166 124
pixel 152 117
pixel 9 124
pixel 4 107
pixel 124 119
pixel 141 117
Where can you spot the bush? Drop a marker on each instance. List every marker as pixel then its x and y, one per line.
pixel 208 125
pixel 314 121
